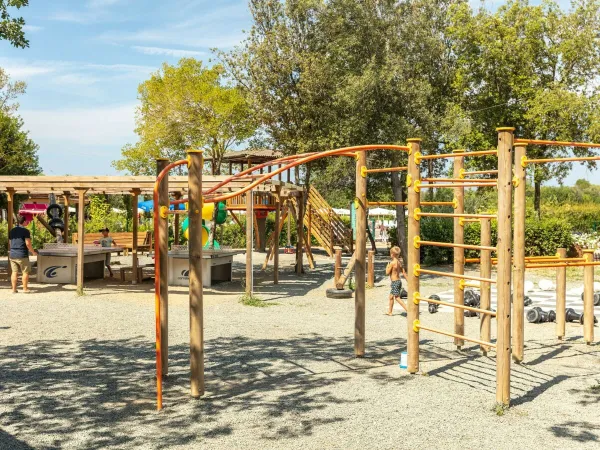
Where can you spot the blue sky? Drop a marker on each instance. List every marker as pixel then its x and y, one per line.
pixel 87 57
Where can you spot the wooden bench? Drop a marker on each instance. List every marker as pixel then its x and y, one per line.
pixel 123 239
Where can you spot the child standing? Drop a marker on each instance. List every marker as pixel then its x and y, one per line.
pixel 107 241
pixel 393 269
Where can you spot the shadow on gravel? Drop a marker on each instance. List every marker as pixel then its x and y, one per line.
pixel 98 394
pixel 577 431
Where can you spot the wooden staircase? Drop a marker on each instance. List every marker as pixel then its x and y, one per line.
pixel 325 224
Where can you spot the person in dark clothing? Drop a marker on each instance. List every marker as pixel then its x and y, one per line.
pixel 20 247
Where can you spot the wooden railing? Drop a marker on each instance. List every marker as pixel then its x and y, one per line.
pixel 262 200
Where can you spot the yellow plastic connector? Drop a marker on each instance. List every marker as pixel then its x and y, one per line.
pixel 356 203
pixel 417 214
pixel 164 212
pixel 461 284
pixel 416 325
pixel 523 161
pixel 408 180
pixel 417 242
pixel 409 145
pixel 189 160
pixel 461 221
pixel 363 171
pixel 515 181
pixel 416 299
pixel 417 186
pixel 416 270
pixel 454 203
pixel 417 157
pixel 461 173
pixel 356 155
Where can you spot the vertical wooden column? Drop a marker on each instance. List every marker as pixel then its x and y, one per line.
pixel 371 269
pixel 518 319
pixel 10 208
pixel 162 243
pixel 309 228
pixel 66 199
pixel 80 239
pixel 134 251
pixel 300 234
pixel 276 235
pixel 361 248
pixel 561 295
pixel 249 247
pixel 503 280
pixel 331 234
pixel 338 266
pixel 196 165
pixel 413 256
pixel 588 297
pixel 485 325
pixel 176 225
pixel 459 253
pixel 289 225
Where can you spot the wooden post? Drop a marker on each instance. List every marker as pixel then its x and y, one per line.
pixel 485 325
pixel 309 231
pixel 289 175
pixel 276 235
pixel 331 234
pixel 337 273
pixel 289 227
pixel 371 269
pixel 249 234
pixel 10 208
pixel 561 295
pixel 300 234
pixel 66 199
pixel 134 250
pixel 413 256
pixel 195 257
pixel 361 248
pixel 176 225
pixel 459 254
pixel 80 240
pixel 518 320
pixel 163 245
pixel 588 298
pixel 503 280
pixel 230 168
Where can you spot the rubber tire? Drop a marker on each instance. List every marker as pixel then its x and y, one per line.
pixel 52 207
pixel 339 293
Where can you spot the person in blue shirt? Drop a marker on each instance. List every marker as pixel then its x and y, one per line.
pixel 20 247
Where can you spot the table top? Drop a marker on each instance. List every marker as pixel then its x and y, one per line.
pixel 72 251
pixel 207 254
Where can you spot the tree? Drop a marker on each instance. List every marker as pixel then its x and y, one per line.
pixel 11 28
pixel 531 67
pixel 182 107
pixel 9 91
pixel 18 153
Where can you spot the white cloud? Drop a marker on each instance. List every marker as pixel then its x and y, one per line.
pixel 101 3
pixel 178 53
pixel 32 28
pixel 71 17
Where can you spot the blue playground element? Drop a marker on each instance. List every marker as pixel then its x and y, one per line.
pixel 148 206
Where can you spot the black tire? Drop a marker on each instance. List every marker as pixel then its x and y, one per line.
pixel 338 293
pixel 54 207
pixel 597 299
pixel 527 301
pixel 533 316
pixel 57 223
pixel 403 293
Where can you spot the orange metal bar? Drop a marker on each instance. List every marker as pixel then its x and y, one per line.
pixel 557 143
pixel 445 333
pixel 547 266
pixel 386 203
pixel 452 245
pixel 159 179
pixel 466 216
pixel 448 186
pixel 559 160
pixel 481 172
pixel 454 305
pixel 460 180
pixel 458 155
pixel 455 275
pixel 387 169
pixel 437 203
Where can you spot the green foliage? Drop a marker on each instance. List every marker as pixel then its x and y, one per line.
pixel 9 91
pixel 100 215
pixel 231 234
pixel 18 153
pixel 254 300
pixel 545 236
pixel 182 107
pixel 3 240
pixel 39 235
pixel 11 28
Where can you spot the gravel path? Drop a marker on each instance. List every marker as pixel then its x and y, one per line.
pixel 78 373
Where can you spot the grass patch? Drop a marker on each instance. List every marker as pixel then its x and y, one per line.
pixel 500 409
pixel 595 388
pixel 254 300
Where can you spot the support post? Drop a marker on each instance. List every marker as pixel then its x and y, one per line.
pixel 134 250
pixel 276 235
pixel 561 295
pixel 289 227
pixel 361 248
pixel 485 325
pixel 249 248
pixel 196 165
pixel 503 281
pixel 66 200
pixel 309 231
pixel 300 234
pixel 10 208
pixel 176 225
pixel 459 253
pixel 163 244
pixel 588 298
pixel 371 269
pixel 338 266
pixel 81 240
pixel 413 256
pixel 518 320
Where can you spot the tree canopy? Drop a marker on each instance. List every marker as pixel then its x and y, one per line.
pixel 11 28
pixel 18 153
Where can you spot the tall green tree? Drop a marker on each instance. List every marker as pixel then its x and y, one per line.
pixel 11 28
pixel 9 91
pixel 186 106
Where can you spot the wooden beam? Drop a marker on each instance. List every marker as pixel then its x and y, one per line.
pixel 518 271
pixel 413 257
pixel 10 210
pixel 361 247
pixel 66 200
pixel 162 242
pixel 459 253
pixel 276 232
pixel 134 251
pixel 561 293
pixel 342 280
pixel 80 240
pixel 249 249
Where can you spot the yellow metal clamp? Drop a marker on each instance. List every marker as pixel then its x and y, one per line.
pixel 356 203
pixel 416 325
pixel 461 173
pixel 363 171
pixel 417 214
pixel 416 270
pixel 417 157
pixel 164 212
pixel 417 186
pixel 417 242
pixel 408 180
pixel 461 221
pixel 454 203
pixel 189 160
pixel 416 296
pixel 515 181
pixel 461 284
pixel 524 161
pixel 356 156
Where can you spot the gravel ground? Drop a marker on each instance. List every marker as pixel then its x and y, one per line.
pixel 78 373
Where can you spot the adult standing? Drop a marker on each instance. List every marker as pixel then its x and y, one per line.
pixel 20 247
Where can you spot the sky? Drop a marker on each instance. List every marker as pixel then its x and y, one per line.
pixel 87 57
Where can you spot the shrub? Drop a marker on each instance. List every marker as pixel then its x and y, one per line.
pixel 3 239
pixel 545 236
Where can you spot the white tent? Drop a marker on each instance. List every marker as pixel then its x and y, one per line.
pixel 381 212
pixel 341 212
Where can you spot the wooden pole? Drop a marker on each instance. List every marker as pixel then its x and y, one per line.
pixel 518 320
pixel 80 240
pixel 361 248
pixel 66 199
pixel 588 298
pixel 459 253
pixel 163 244
pixel 195 257
pixel 561 295
pixel 176 224
pixel 337 273
pixel 300 234
pixel 371 269
pixel 134 250
pixel 10 208
pixel 309 231
pixel 276 235
pixel 249 231
pixel 485 325
pixel 413 257
pixel 503 281
pixel 289 226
